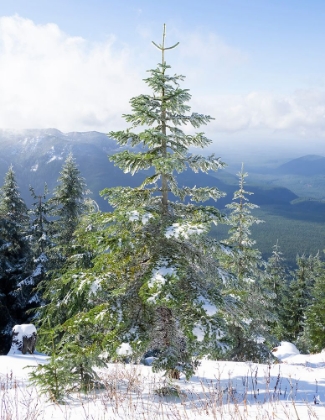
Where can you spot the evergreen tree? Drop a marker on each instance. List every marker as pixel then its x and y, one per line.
pixel 15 258
pixel 315 313
pixel 249 332
pixel 299 297
pixel 76 321
pixel 41 243
pixel 156 283
pixel 68 204
pixel 276 282
pixel 41 225
pixel 177 276
pixel 244 259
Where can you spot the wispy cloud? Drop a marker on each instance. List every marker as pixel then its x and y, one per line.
pixel 301 113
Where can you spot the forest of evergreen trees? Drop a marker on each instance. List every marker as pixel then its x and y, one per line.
pixel 148 276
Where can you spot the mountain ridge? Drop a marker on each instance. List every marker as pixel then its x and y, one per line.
pixel 37 157
pixel 308 165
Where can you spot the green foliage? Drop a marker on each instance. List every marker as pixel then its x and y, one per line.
pixel 245 258
pixel 248 333
pixel 275 281
pixel 68 202
pixel 72 361
pixel 147 276
pixel 170 267
pixel 40 223
pixel 15 259
pixel 40 241
pixel 299 297
pixel 51 377
pixel 315 312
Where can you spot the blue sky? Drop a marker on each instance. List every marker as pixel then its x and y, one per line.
pixel 257 66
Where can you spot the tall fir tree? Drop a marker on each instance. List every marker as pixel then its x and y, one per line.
pixel 155 281
pixel 250 331
pixel 68 203
pixel 299 297
pixel 315 312
pixel 245 258
pixel 276 282
pixel 15 258
pixel 41 243
pixel 177 280
pixel 40 221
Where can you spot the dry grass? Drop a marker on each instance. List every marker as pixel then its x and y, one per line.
pixel 130 393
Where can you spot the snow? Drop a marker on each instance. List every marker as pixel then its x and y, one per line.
pixel 294 389
pixel 285 350
pixel 185 230
pixel 124 350
pixel 160 273
pixel 134 216
pixel 23 330
pixel 54 158
pixel 42 257
pixel 160 276
pixel 198 331
pixel 38 271
pixel 288 353
pixel 95 287
pixel 208 307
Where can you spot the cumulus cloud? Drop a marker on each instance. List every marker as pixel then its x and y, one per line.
pixel 51 79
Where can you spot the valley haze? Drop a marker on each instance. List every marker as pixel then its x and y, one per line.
pixel 292 203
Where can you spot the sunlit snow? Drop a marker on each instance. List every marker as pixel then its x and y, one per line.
pixel 209 308
pixel 134 216
pixel 160 273
pixel 124 350
pixel 159 277
pixel 292 389
pixel 185 230
pixel 24 330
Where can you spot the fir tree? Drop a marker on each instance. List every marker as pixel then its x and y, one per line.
pixel 41 243
pixel 315 313
pixel 276 282
pixel 175 274
pixel 299 297
pixel 245 259
pixel 68 204
pixel 155 281
pixel 41 225
pixel 75 322
pixel 15 258
pixel 248 333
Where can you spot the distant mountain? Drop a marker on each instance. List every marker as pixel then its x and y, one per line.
pixel 309 165
pixel 37 157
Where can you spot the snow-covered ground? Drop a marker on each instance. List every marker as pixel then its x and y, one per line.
pixel 292 389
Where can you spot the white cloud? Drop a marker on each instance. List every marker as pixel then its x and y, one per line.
pixel 50 79
pixel 301 113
